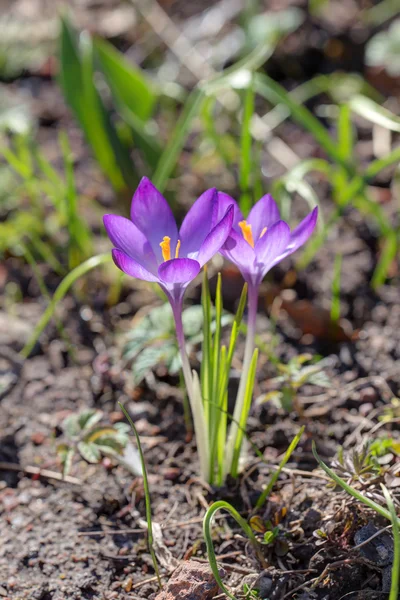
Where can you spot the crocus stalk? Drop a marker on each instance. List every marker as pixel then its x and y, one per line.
pixel 255 246
pixel 150 247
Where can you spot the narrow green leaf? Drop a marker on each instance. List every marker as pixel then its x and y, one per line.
pixel 345 133
pixel 388 255
pixel 173 149
pixel 206 371
pixel 261 500
pixel 207 522
pixel 352 491
pixel 146 494
pixel 77 81
pixel 276 94
pixel 243 417
pixel 245 165
pixel 373 112
pixel 128 83
pixel 395 584
pixel 59 294
pixel 335 305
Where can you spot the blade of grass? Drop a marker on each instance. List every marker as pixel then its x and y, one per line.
pixel 206 371
pixel 234 469
pixel 45 293
pixel 335 305
pixel 127 82
pixel 352 491
pixel 174 147
pixel 275 93
pixel 147 496
pixel 345 133
pixel 245 165
pixel 207 521
pixel 59 294
pixel 395 584
pixel 373 112
pixel 264 495
pixel 214 414
pixel 388 255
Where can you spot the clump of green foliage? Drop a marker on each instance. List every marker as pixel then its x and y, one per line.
pixel 91 440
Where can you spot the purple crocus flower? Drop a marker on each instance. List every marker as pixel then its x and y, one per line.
pixel 261 241
pixel 255 246
pixel 150 247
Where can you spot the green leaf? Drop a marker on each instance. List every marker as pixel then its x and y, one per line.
pixel 248 396
pixel 373 112
pixel 71 426
pixel 149 358
pixel 89 418
pixel 66 454
pixel 127 82
pixel 264 495
pixel 89 452
pixel 77 82
pixel 345 133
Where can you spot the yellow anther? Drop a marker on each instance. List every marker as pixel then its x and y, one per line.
pixel 166 248
pixel 247 232
pixel 263 231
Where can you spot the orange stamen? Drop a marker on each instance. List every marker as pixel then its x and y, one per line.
pixel 263 231
pixel 166 248
pixel 247 232
pixel 178 245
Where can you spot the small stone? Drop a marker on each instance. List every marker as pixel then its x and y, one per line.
pixel 191 581
pixel 128 584
pixel 368 394
pixel 38 438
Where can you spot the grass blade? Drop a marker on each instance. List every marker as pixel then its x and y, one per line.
pixel 244 414
pixel 276 94
pixel 388 255
pixel 173 149
pixel 245 166
pixel 335 306
pixel 212 559
pixel 394 588
pixel 345 133
pixel 146 488
pixel 352 491
pixel 264 495
pixel 373 112
pixel 127 82
pixel 59 294
pixel 77 82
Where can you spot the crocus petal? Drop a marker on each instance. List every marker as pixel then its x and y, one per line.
pixel 131 267
pixel 127 237
pixel 152 215
pixel 263 214
pixel 216 238
pixel 270 247
pixel 224 202
pixel 179 270
pixel 302 232
pixel 238 251
pixel 198 223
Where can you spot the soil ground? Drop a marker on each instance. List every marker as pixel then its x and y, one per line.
pixel 85 537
